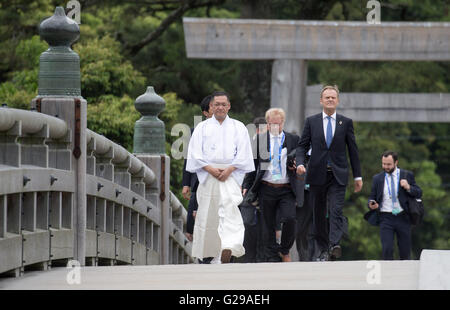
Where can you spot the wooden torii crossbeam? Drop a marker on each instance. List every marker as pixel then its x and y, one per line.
pixel 291 43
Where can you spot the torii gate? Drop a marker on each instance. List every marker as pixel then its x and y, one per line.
pixel 292 43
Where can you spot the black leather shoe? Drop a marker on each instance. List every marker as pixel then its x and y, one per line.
pixel 323 257
pixel 335 252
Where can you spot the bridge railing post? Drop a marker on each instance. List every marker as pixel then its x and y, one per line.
pixel 59 94
pixel 159 193
pixel 149 147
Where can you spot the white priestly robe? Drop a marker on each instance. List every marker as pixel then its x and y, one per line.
pixel 218 223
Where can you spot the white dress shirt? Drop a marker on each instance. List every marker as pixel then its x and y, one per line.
pixel 268 175
pixel 387 199
pixel 325 124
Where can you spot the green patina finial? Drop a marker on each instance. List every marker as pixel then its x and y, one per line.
pixel 149 131
pixel 59 66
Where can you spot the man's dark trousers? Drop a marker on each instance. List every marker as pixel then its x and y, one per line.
pixel 192 206
pixel 338 223
pixel 304 239
pixel 254 240
pixel 271 199
pixel 395 224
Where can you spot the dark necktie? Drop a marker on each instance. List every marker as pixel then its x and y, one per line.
pixel 394 196
pixel 329 136
pixel 395 209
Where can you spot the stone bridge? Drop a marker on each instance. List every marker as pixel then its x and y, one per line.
pixel 67 192
pixel 72 198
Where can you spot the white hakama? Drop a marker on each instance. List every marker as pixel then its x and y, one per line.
pixel 218 223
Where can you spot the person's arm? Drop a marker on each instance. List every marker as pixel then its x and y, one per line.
pixel 353 151
pixel 373 196
pixel 186 182
pixel 195 159
pixel 250 177
pixel 354 157
pixel 303 147
pixel 410 186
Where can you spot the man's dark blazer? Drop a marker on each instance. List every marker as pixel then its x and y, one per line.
pixel 378 182
pixel 252 180
pixel 189 179
pixel 313 136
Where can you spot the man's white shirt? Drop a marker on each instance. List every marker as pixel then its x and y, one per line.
pixel 268 174
pixel 389 191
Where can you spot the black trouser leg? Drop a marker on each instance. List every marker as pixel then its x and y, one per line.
pixel 387 235
pixel 286 208
pixel 319 204
pixel 190 221
pixel 250 243
pixel 403 229
pixel 283 201
pixel 269 214
pixel 304 225
pixel 336 196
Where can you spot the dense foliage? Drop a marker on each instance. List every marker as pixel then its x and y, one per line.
pixel 127 45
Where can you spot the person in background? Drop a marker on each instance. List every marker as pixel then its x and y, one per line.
pixel 275 185
pixel 329 135
pixel 190 183
pixel 220 153
pixel 390 190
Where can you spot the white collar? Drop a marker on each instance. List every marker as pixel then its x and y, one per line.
pixel 279 136
pixel 214 119
pixel 325 115
pixel 394 173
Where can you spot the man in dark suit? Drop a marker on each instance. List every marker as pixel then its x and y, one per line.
pixel 190 181
pixel 304 239
pixel 275 185
pixel 328 134
pixel 251 214
pixel 389 196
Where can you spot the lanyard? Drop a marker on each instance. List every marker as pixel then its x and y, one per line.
pixel 279 151
pixel 398 183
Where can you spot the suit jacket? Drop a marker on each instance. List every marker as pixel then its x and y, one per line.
pixel 313 136
pixel 378 183
pixel 189 179
pixel 252 180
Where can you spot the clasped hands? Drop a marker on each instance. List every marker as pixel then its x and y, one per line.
pixel 220 174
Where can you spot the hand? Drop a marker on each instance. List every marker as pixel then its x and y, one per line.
pixel 225 173
pixel 301 170
pixel 244 191
pixel 188 236
pixel 194 213
pixel 373 205
pixel 358 185
pixel 404 183
pixel 215 172
pixel 186 192
pixel 293 167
